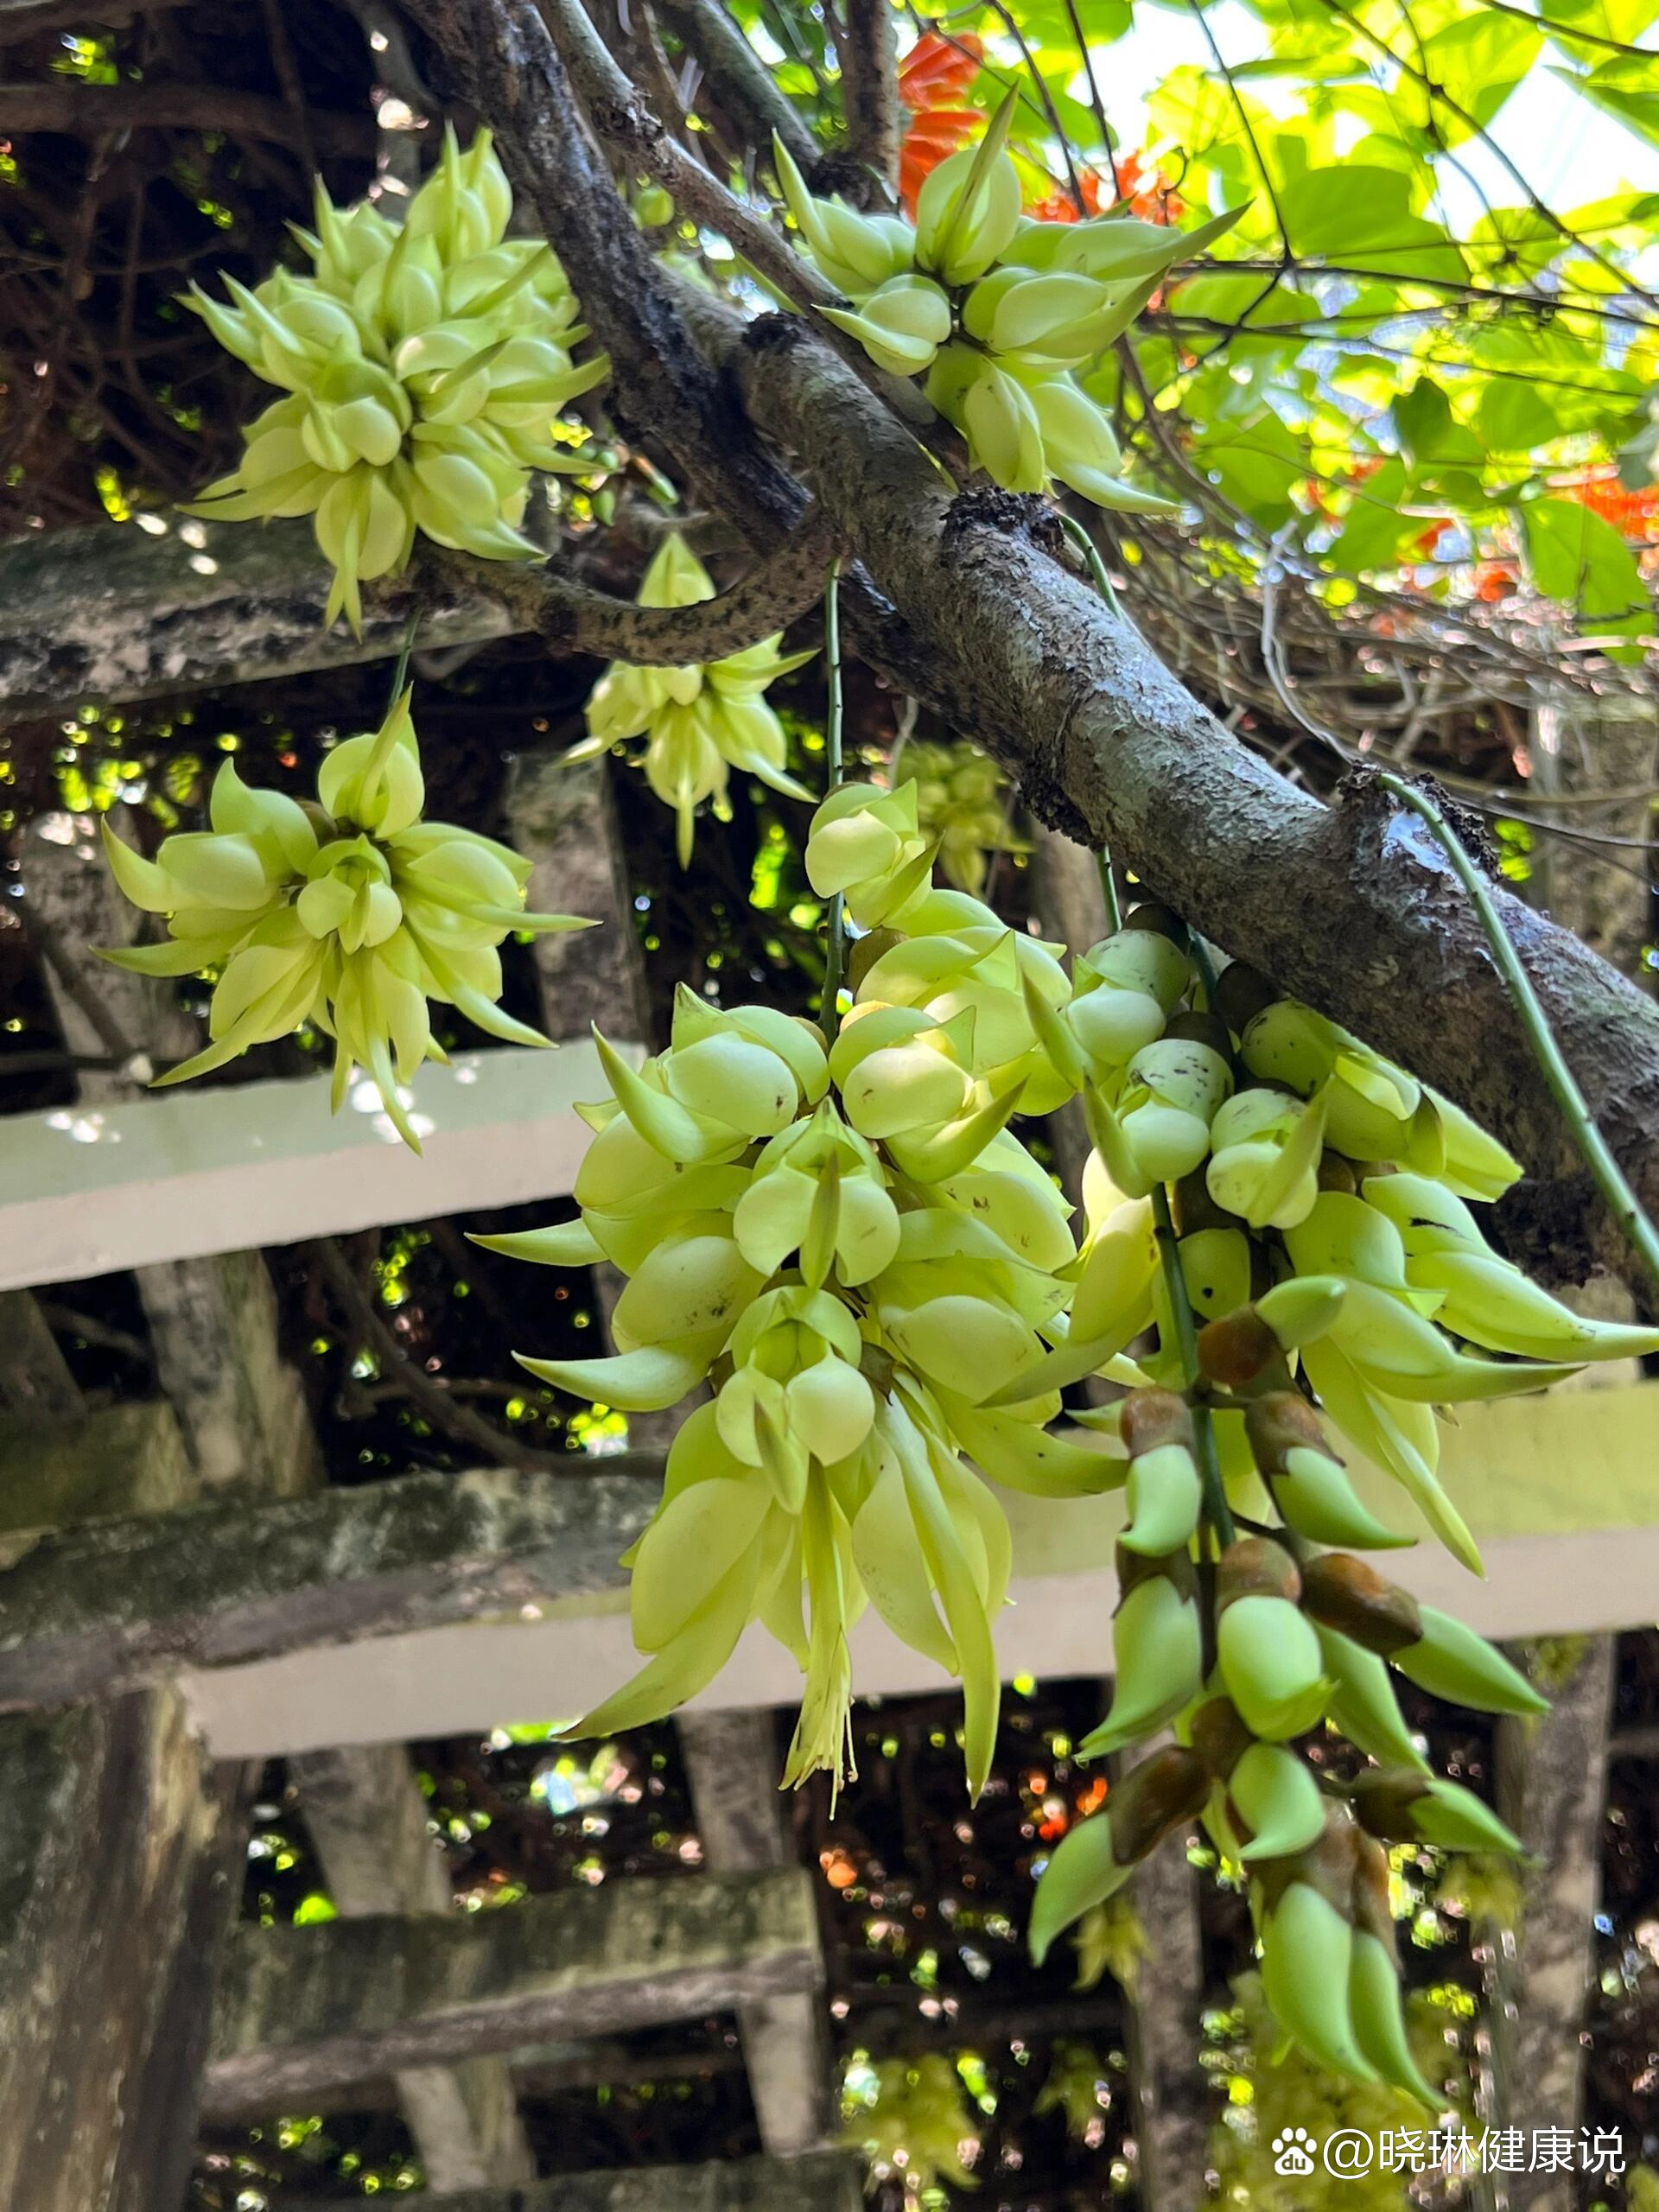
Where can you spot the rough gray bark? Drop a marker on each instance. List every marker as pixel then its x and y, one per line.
pixel 365 1814
pixel 111 614
pixel 867 42
pixel 90 1611
pixel 299 2008
pixel 1552 1779
pixel 732 1764
pixel 119 1845
pixel 34 1377
pixel 826 2182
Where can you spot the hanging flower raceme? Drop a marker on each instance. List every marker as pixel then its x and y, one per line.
pixel 348 911
pixel 848 1244
pixel 999 313
pixel 1316 1197
pixel 425 366
pixel 699 722
pixel 939 952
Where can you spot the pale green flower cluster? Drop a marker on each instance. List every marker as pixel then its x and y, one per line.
pixel 424 363
pixel 699 722
pixel 1317 1196
pixel 348 911
pixel 962 800
pixel 997 312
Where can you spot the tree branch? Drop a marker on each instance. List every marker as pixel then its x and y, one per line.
pixel 868 45
pixel 739 79
pixel 1351 908
pixel 80 111
pixel 112 615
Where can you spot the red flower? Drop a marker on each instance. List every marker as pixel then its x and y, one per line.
pixel 936 70
pixel 1157 203
pixel 1494 580
pixel 1635 515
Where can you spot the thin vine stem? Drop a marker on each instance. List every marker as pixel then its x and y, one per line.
pixel 1593 1148
pixel 1096 567
pixel 1109 891
pixel 400 673
pixel 1217 1510
pixel 834 960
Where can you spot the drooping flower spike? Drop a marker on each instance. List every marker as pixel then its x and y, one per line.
pixel 348 910
pixel 997 311
pixel 424 367
pixel 699 722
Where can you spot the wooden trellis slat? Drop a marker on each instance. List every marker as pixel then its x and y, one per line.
pixel 301 2008
pixel 368 1610
pixel 88 1612
pixel 111 614
pixel 364 1811
pixel 87 1190
pixel 828 2182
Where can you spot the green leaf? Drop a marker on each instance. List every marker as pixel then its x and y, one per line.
pixel 1625 87
pixel 1442 451
pixel 1361 218
pixel 1256 464
pixel 1581 560
pixel 1514 416
pixel 1477 63
pixel 1625 20
pixel 1374 529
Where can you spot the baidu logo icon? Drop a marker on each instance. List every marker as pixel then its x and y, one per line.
pixel 1292 2151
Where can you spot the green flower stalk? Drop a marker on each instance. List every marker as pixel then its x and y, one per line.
pixel 425 367
pixel 699 722
pixel 348 911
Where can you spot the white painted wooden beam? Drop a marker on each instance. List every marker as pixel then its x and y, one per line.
pixel 86 1190
pixel 1562 1493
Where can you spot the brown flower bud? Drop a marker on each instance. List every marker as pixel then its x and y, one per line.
pixel 1151 1419
pixel 1255 1566
pixel 1343 1592
pixel 1243 993
pixel 1159 1795
pixel 1280 1423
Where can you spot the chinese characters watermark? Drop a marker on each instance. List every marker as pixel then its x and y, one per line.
pixel 1349 2153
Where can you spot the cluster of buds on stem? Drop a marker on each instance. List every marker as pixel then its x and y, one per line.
pixel 699 722
pixel 1001 314
pixel 348 911
pixel 424 365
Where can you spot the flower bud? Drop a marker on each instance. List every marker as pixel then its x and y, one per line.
pixel 1266 1649
pixel 1152 1801
pixel 1164 1490
pixel 1307 1481
pixel 1158 1650
pixel 1402 1806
